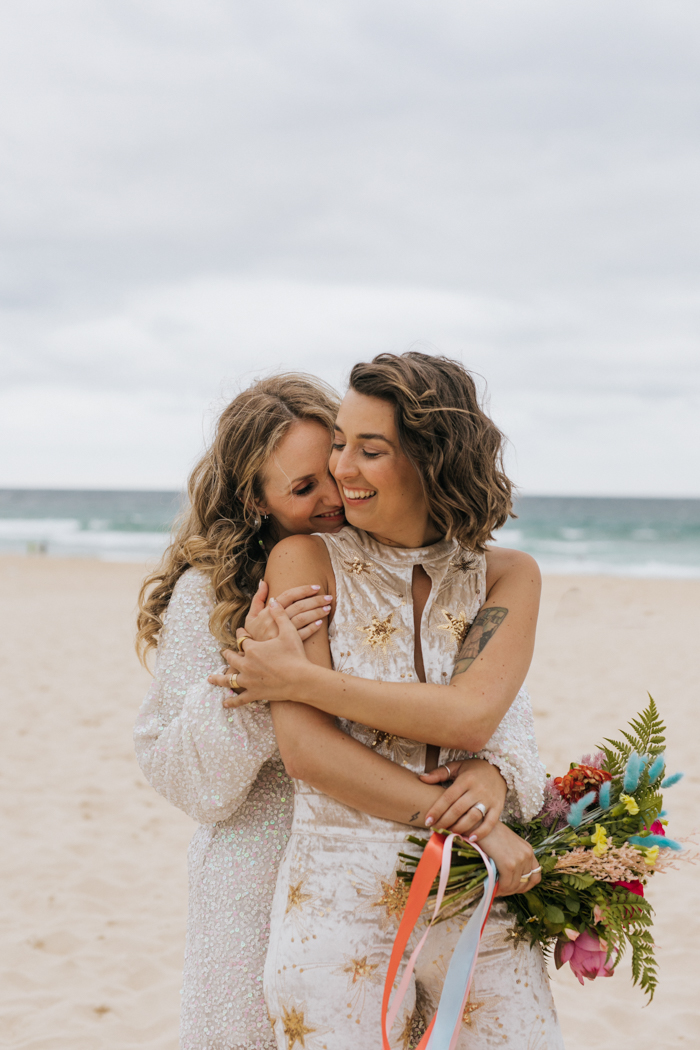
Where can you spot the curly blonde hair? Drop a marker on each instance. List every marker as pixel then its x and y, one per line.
pixel 221 530
pixel 455 447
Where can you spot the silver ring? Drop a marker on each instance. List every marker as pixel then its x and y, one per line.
pixel 482 809
pixel 449 771
pixel 526 878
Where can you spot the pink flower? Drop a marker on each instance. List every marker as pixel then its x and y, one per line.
pixel 634 886
pixel 586 956
pixel 657 828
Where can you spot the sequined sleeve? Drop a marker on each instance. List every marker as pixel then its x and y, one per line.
pixel 513 749
pixel 202 757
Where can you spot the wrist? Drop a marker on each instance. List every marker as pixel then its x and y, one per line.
pixel 302 682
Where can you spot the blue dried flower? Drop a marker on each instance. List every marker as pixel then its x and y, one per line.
pixel 654 840
pixel 633 771
pixel 673 779
pixel 577 809
pixel 656 768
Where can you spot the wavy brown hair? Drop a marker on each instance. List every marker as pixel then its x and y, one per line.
pixel 221 530
pixel 455 447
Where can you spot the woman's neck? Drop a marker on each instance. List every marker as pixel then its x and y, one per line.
pixel 411 537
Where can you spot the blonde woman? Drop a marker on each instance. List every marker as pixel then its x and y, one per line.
pixel 264 478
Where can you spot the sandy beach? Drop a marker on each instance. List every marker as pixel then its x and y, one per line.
pixel 93 861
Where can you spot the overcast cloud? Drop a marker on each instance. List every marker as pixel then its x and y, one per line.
pixel 193 192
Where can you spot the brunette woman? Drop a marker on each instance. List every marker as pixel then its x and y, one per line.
pixel 418 464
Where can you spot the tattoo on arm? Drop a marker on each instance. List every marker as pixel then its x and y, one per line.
pixel 414 817
pixel 483 628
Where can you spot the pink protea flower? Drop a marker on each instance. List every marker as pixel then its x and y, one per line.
pixel 586 956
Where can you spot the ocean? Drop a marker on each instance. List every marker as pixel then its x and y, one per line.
pixel 566 534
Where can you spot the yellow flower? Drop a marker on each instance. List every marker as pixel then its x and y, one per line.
pixel 650 855
pixel 600 837
pixel 630 804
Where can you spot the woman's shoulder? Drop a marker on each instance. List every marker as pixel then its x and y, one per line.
pixel 293 549
pixel 298 560
pixel 504 562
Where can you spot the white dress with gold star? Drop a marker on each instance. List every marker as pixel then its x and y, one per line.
pixel 338 901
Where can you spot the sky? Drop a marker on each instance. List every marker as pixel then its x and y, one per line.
pixel 196 192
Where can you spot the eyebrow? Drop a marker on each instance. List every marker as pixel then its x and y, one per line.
pixel 370 437
pixel 304 477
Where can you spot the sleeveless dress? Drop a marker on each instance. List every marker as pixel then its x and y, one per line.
pixel 338 901
pixel 223 768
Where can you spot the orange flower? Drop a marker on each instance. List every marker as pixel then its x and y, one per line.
pixel 579 780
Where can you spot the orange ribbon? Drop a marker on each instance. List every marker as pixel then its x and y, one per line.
pixel 437 856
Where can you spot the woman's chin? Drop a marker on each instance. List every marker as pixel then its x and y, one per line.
pixel 334 524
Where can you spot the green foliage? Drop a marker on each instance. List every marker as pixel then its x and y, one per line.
pixel 648 737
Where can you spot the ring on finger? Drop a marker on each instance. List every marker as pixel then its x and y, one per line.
pixel 233 681
pixel 449 771
pixel 482 809
pixel 240 641
pixel 526 878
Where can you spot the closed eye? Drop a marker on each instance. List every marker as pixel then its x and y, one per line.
pixel 306 489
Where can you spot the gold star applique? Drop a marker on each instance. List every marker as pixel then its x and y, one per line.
pixel 456 625
pixel 382 739
pixel 469 1009
pixel 358 567
pixel 360 969
pixel 406 1039
pixel 487 1005
pixel 464 563
pixel 378 633
pixel 294 1026
pixel 393 897
pixel 296 898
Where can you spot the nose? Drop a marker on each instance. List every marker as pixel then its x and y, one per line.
pixel 343 465
pixel 329 492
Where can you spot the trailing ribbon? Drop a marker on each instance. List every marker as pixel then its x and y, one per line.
pixel 443 1031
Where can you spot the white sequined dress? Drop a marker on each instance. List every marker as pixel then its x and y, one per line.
pixel 222 767
pixel 338 899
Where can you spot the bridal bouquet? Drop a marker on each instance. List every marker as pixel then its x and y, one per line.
pixel 599 838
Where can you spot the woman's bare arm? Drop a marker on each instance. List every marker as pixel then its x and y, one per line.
pixel 490 666
pixel 316 751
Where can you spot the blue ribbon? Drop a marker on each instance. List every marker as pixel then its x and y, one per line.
pixel 451 1005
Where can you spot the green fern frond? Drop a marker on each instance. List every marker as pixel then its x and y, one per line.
pixel 647 736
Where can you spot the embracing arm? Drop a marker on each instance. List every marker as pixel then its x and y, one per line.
pixel 199 756
pixel 316 751
pixel 490 666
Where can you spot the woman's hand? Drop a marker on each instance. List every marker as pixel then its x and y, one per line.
pixel 266 670
pixel 475 781
pixel 305 607
pixel 514 859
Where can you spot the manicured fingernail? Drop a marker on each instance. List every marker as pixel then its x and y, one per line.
pixel 273 601
pixel 315 586
pixel 326 608
pixel 429 821
pixel 328 597
pixel 319 622
pixel 260 584
pixel 472 838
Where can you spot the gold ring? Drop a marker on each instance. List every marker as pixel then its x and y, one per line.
pixel 525 878
pixel 233 681
pixel 240 641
